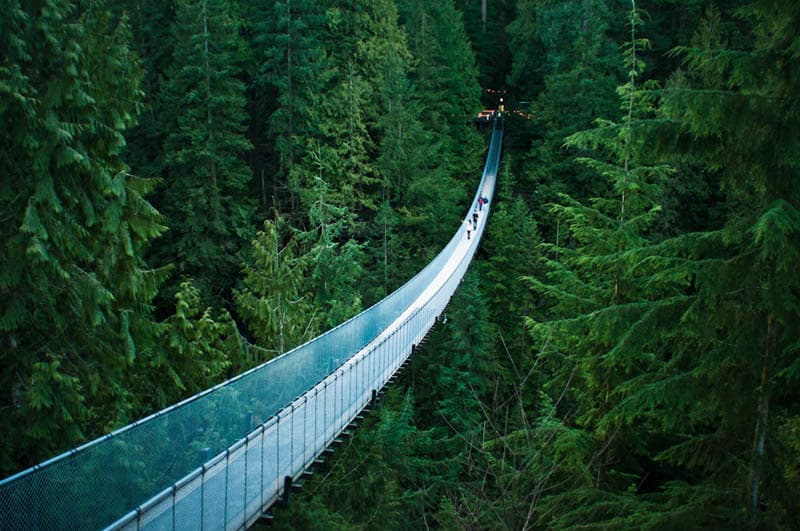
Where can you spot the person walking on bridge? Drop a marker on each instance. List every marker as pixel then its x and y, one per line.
pixel 469 226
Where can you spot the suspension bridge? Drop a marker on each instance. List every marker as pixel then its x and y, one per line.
pixel 222 458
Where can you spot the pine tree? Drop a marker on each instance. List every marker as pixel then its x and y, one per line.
pixel 611 307
pixel 333 260
pixel 687 362
pixel 510 254
pixel 151 23
pixel 445 76
pixel 206 198
pixel 448 95
pixel 381 478
pixel 486 22
pixel 74 291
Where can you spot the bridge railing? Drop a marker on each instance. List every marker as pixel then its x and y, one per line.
pixel 220 457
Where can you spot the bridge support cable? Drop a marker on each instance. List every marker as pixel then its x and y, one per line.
pixel 222 458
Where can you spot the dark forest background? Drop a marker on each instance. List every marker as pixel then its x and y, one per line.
pixel 181 179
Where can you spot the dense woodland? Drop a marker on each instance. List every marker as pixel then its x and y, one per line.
pixel 191 187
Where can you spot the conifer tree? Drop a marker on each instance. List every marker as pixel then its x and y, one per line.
pixel 74 291
pixel 343 148
pixel 381 478
pixel 448 95
pixel 333 259
pixel 686 368
pixel 151 23
pixel 407 156
pixel 581 68
pixel 609 302
pixel 287 43
pixel 274 300
pixel 510 253
pixel 486 22
pixel 195 351
pixel 446 81
pixel 206 198
pixel 735 105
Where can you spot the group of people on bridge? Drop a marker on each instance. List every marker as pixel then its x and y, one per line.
pixel 472 221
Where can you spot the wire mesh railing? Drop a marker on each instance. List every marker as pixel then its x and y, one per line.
pixel 217 459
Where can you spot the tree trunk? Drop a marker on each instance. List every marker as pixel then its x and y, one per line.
pixel 215 199
pixel 760 438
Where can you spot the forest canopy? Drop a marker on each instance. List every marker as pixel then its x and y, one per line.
pixel 181 178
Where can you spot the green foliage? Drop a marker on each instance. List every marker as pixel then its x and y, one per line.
pixel 670 353
pixel 510 253
pixel 333 259
pixel 579 69
pixel 292 69
pixel 273 298
pixel 610 311
pixel 385 477
pixel 655 384
pixel 464 372
pixel 74 291
pixel 734 106
pixel 446 86
pixel 206 199
pixel 151 23
pixel 489 38
pixel 198 349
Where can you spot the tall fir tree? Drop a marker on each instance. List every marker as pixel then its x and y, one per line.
pixel 333 258
pixel 446 84
pixel 75 294
pixel 684 369
pixel 737 108
pixel 196 349
pixel 448 95
pixel 611 308
pixel 206 199
pixel 274 299
pixel 292 64
pixel 581 67
pixel 486 22
pixel 151 23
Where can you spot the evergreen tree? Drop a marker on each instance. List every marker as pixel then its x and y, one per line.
pixel 206 194
pixel 445 78
pixel 610 308
pixel 683 349
pixel 195 351
pixel 460 371
pixel 509 253
pixel 152 41
pixel 287 44
pixel 74 292
pixel 486 22
pixel 735 105
pixel 333 260
pixel 580 69
pixel 379 479
pixel 448 95
pixel 273 299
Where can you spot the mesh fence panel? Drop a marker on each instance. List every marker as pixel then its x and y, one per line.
pixel 101 482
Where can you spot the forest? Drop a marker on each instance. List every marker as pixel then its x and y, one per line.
pixel 189 188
